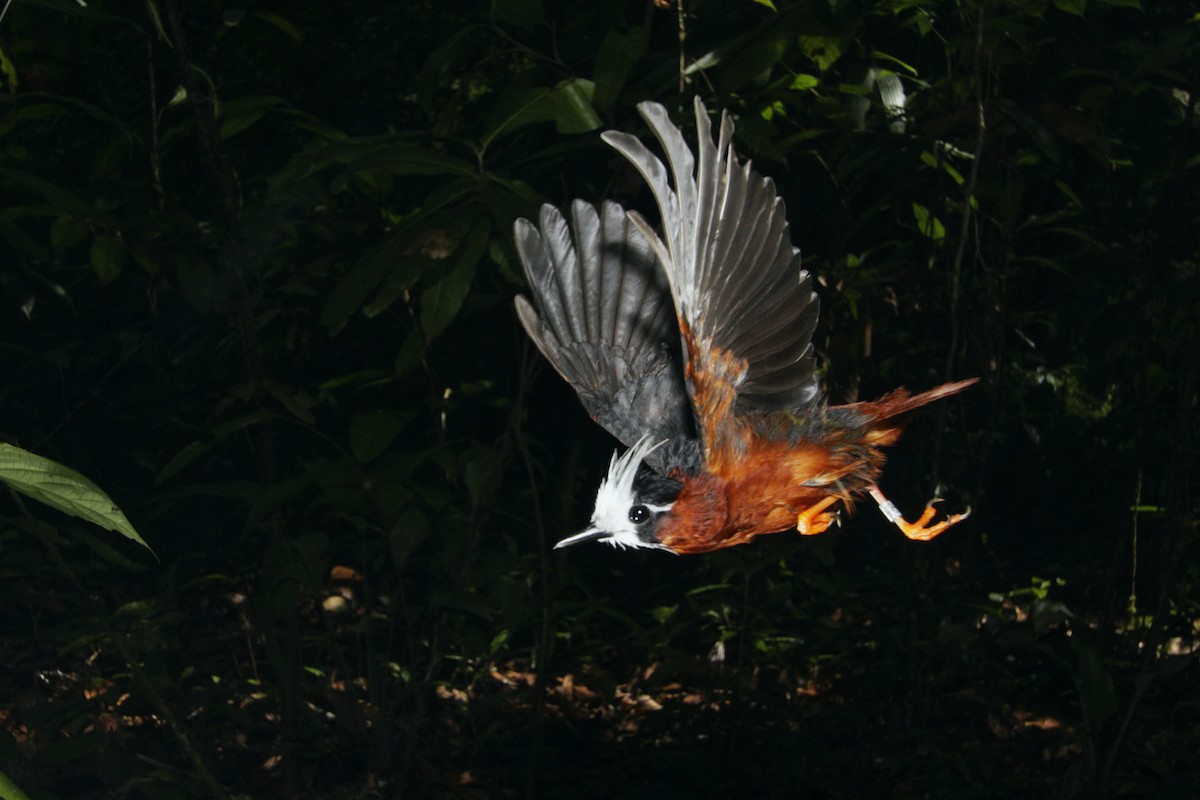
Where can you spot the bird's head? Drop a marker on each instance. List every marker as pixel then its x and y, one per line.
pixel 631 503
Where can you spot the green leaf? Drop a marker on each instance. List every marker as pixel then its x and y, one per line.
pixel 747 61
pixel 568 105
pixel 410 529
pixel 9 71
pixel 479 473
pixel 881 56
pixel 441 67
pixel 823 50
pixel 194 450
pixel 403 159
pixel 1039 133
pixel 108 257
pixel 932 160
pixel 9 790
pixel 441 301
pixel 55 195
pixel 399 279
pixel 280 23
pixel 372 431
pixel 572 107
pixel 397 265
pixel 239 114
pixel 107 161
pixel 63 488
pixel 271 498
pixel 65 232
pixel 929 225
pixel 615 62
pixel 1097 692
pixel 1076 7
pixel 195 279
pixel 519 13
pixel 186 456
pixel 36 111
pixel 67 749
pixel 411 351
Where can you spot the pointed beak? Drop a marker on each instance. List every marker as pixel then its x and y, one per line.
pixel 586 536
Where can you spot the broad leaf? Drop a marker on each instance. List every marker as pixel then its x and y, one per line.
pixel 441 301
pixel 63 488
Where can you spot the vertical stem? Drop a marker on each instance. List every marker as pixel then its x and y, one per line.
pixel 155 160
pixel 544 639
pixel 954 289
pixel 682 39
pixel 1137 502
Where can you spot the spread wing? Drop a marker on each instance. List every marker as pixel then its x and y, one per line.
pixel 602 315
pixel 746 309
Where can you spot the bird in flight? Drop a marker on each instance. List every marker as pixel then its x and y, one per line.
pixel 693 347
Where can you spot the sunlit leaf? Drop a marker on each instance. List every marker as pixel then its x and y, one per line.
pixel 9 790
pixel 568 105
pixel 928 224
pixel 63 488
pixel 823 50
pixel 9 71
pixel 881 56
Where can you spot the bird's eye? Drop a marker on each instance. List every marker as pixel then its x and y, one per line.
pixel 639 514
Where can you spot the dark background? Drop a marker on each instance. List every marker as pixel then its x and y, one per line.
pixel 256 281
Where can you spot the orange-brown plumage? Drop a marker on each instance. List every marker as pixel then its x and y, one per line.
pixel 765 487
pixel 693 346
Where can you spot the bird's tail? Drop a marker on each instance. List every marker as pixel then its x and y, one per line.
pixel 900 402
pixel 889 415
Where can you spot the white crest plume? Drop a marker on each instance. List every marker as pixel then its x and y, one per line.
pixel 616 490
pixel 610 518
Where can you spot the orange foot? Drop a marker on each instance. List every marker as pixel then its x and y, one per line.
pixel 920 530
pixel 815 519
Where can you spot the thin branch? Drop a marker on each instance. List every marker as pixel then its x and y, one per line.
pixel 963 234
pixel 682 53
pixel 968 194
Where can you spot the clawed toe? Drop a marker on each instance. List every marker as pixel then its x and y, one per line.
pixel 921 530
pixel 815 519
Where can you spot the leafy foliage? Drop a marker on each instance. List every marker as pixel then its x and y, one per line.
pixel 256 282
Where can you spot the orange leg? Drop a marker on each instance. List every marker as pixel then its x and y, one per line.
pixel 920 530
pixel 815 519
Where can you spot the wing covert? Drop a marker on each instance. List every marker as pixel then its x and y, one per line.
pixel 602 315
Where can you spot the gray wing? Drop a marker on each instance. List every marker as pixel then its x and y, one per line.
pixel 735 276
pixel 602 315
